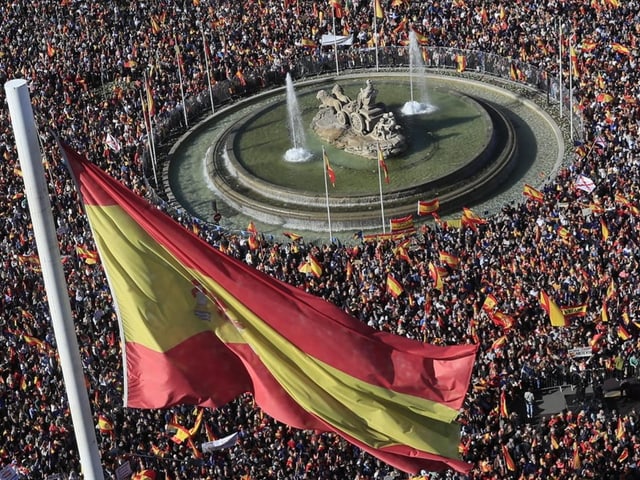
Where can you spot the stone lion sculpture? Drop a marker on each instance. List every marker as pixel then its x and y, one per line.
pixel 338 92
pixel 329 101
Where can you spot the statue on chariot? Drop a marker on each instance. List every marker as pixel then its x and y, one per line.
pixel 362 117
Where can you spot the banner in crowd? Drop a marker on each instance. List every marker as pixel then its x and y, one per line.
pixel 221 443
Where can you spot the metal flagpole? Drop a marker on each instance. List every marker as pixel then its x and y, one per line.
pixel 335 42
pixel 560 63
pixel 147 127
pixel 152 140
pixel 572 66
pixel 326 190
pixel 184 104
pixel 206 63
pixel 375 34
pixel 381 202
pixel 44 230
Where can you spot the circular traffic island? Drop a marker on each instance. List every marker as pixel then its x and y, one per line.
pixel 473 142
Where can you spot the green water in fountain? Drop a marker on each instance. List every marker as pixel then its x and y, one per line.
pixel 438 143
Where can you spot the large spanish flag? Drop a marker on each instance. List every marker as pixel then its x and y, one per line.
pixel 200 327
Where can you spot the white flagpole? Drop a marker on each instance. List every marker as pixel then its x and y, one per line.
pixel 147 127
pixel 571 69
pixel 326 191
pixel 184 105
pixel 152 141
pixel 560 63
pixel 375 34
pixel 380 185
pixel 206 62
pixel 335 42
pixel 44 230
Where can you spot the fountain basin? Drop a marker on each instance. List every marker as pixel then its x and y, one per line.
pixel 448 157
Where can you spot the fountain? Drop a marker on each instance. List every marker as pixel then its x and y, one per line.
pixel 448 155
pixel 416 69
pixel 298 152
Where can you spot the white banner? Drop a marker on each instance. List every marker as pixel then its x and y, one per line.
pixel 328 40
pixel 221 443
pixel 585 184
pixel 580 352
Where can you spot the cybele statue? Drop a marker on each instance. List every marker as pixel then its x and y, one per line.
pixel 358 125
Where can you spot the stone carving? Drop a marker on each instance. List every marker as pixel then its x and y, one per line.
pixel 329 101
pixel 358 125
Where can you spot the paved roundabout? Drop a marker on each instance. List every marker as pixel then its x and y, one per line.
pixel 482 143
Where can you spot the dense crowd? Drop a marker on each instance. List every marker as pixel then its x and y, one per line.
pixel 86 63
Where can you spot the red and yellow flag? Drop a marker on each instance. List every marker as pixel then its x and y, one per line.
pixel 180 433
pixel 620 429
pixel 604 229
pixel 241 78
pixel 574 311
pixel 337 8
pixel 588 45
pixel 377 9
pixel 402 224
pixel 604 314
pixel 434 273
pixel 499 342
pixel 292 236
pixel 490 302
pixel 183 304
pixel 619 48
pixel 90 257
pixel 533 194
pixel 145 475
pixel 624 455
pixel 611 290
pixel 577 463
pixel 155 26
pixel 449 259
pixel 484 16
pixel 105 425
pixel 556 316
pixel 508 459
pixel 33 341
pixel 311 266
pixel 501 319
pixel 383 166
pixel 394 288
pixel 422 39
pixel 470 219
pixel 623 333
pixel 307 42
pixel 504 411
pixel 427 207
pixel 573 57
pixel 327 166
pixel 564 233
pixel 151 104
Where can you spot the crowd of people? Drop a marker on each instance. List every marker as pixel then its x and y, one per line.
pixel 87 64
